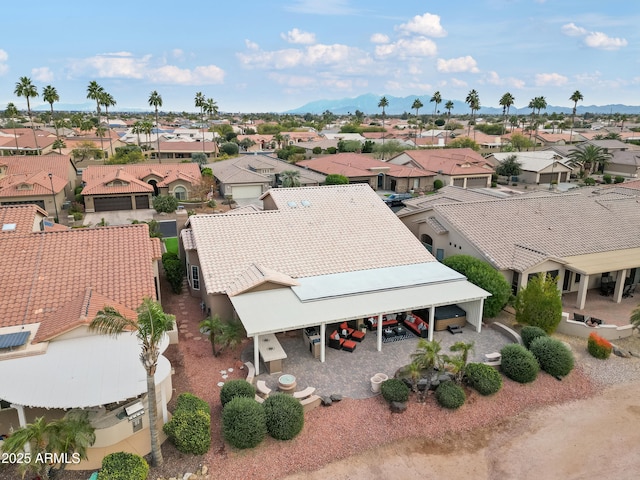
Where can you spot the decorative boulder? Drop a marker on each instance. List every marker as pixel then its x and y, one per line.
pixel 335 397
pixel 327 402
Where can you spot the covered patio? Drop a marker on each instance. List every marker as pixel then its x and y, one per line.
pixel 599 306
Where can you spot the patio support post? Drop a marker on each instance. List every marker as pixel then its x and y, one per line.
pixel 256 354
pixel 23 423
pixel 582 292
pixel 481 308
pixel 379 345
pixel 617 293
pixel 432 321
pixel 323 333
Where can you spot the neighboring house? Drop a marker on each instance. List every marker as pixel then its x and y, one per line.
pixel 461 167
pixel 24 179
pixel 132 186
pixel 322 144
pixel 177 151
pixel 548 139
pixel 54 283
pixel 316 256
pixel 578 237
pixel 26 142
pixel 249 176
pixel 542 166
pixel 379 175
pixel 625 163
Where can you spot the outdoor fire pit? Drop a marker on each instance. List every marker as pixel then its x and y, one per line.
pixel 287 383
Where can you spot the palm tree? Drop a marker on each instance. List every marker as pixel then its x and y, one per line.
pixel 210 107
pixel 537 104
pixel 95 92
pixel 150 327
pixel 107 100
pixel 437 99
pixel 73 433
pixel 589 155
pixel 59 145
pixel 227 334
pixel 24 88
pixel 575 98
pixel 383 103
pixel 136 129
pixel 12 112
pixel 635 318
pixel 199 101
pixel 50 95
pixel 417 105
pixel 506 101
pixel 147 128
pixel 473 100
pixel 427 355
pixel 448 107
pixel 290 178
pixel 155 100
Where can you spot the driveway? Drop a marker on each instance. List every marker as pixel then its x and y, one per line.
pixel 119 217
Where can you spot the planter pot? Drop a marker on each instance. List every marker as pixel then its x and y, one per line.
pixel 375 384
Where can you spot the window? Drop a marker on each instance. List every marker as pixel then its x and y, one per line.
pixel 515 280
pixel 416 183
pixel 439 254
pixel 195 277
pixel 577 278
pixel 180 193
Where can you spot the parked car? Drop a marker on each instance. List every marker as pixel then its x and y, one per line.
pixel 396 199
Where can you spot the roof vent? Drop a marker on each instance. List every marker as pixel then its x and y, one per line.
pixel 292 204
pixel 9 227
pixel 305 203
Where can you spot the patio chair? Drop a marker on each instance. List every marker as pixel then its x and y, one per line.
pixel 335 341
pixel 578 317
pixel 629 290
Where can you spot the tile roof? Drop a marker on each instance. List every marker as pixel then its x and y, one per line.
pixel 447 194
pixel 534 161
pixel 257 275
pixel 312 231
pixel 96 175
pixel 26 219
pixel 359 165
pixel 117 181
pixel 29 185
pixel 244 169
pixel 57 165
pixel 453 161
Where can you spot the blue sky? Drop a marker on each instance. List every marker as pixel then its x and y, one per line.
pixel 276 55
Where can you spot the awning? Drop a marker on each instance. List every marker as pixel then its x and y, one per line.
pixel 594 263
pixel 79 373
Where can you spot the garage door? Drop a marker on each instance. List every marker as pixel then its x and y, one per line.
pixel 142 201
pixel 547 177
pixel 246 191
pixel 476 182
pixel 105 204
pixel 458 182
pixel 39 203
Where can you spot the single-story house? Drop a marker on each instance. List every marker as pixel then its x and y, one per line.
pixel 21 141
pixel 542 166
pixel 54 283
pixel 313 257
pixel 178 151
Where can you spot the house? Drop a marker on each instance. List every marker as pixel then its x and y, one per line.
pixel 132 186
pixel 624 159
pixel 54 283
pixel 578 237
pixel 249 176
pixel 315 256
pixel 542 166
pixel 461 167
pixel 21 141
pixel 177 151
pixel 379 175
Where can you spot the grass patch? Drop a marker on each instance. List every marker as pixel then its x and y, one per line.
pixel 171 244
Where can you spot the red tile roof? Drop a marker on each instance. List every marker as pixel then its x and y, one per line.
pixel 358 165
pixel 115 182
pixel 454 161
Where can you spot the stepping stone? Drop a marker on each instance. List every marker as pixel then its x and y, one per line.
pixel 230 370
pixel 220 384
pixel 197 338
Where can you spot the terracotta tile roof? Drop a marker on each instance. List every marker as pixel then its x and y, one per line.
pixel 43 272
pixel 26 219
pixel 26 140
pixel 454 161
pixel 95 175
pixel 57 165
pixel 115 182
pixel 25 185
pixel 312 231
pixel 359 165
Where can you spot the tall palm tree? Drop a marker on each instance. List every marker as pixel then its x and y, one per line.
pixel 199 102
pixel 448 107
pixel 589 157
pixel 210 107
pixel 417 105
pixel 383 103
pixel 107 100
pixel 155 100
pixel 150 327
pixel 147 128
pixel 12 113
pixel 537 104
pixel 24 88
pixel 95 92
pixel 290 178
pixel 437 99
pixel 506 101
pixel 575 98
pixel 473 100
pixel 50 95
pixel 136 129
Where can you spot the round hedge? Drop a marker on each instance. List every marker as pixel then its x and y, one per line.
pixel 284 416
pixel 236 388
pixel 529 333
pixel 243 422
pixel 519 364
pixel 485 379
pixel 449 395
pixel 394 390
pixel 190 431
pixel 188 401
pixel 553 356
pixel 123 466
pixel 599 347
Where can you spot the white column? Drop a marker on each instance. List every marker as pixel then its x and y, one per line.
pixel 323 335
pixel 582 291
pixel 379 333
pixel 23 423
pixel 432 321
pixel 256 353
pixel 479 325
pixel 163 399
pixel 620 278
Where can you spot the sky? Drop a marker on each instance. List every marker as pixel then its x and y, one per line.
pixel 276 55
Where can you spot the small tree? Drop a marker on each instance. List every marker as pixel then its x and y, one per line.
pixel 226 334
pixel 230 148
pixel 290 178
pixel 509 167
pixel 539 303
pixel 438 184
pixel 173 270
pixel 336 179
pixel 165 203
pixel 635 318
pixel 200 158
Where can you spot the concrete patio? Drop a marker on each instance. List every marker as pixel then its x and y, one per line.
pixel 602 307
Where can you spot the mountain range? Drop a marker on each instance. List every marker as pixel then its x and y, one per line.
pixel 368 104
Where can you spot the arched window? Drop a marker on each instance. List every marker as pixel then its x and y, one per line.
pixel 427 241
pixel 180 193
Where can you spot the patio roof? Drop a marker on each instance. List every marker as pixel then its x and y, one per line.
pixel 594 263
pixel 79 373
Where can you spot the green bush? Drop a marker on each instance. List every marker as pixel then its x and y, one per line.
pixel 123 466
pixel 618 179
pixel 553 356
pixel 529 333
pixel 236 388
pixel 449 395
pixel 606 178
pixel 483 275
pixel 485 379
pixel 317 150
pixel 165 203
pixel 599 347
pixel 519 364
pixel 284 416
pixel 589 181
pixel 336 179
pixel 230 148
pixel 243 422
pixel 173 270
pixel 438 184
pixel 540 303
pixel 190 431
pixel 188 401
pixel 394 390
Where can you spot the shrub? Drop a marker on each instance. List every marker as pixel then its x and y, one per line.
pixel 540 303
pixel 317 150
pixel 618 179
pixel 123 466
pixel 438 184
pixel 599 347
pixel 589 181
pixel 449 395
pixel 173 270
pixel 484 276
pixel 188 401
pixel 606 178
pixel 519 364
pixel 485 379
pixel 553 356
pixel 243 423
pixel 284 416
pixel 529 333
pixel 236 388
pixel 190 431
pixel 394 390
pixel 332 150
pixel 230 148
pixel 336 179
pixel 165 203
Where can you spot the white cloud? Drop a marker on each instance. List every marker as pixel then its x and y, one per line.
pixel 177 53
pixel 325 7
pixel 572 30
pixel 298 36
pixel 552 79
pixel 494 79
pixel 427 24
pixel 379 38
pixel 336 55
pixel 297 81
pixel 603 42
pixel 42 74
pixel 4 56
pixel 458 83
pixel 411 47
pixel 456 65
pixel 251 45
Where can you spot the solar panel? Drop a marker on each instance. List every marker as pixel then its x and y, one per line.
pixel 17 339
